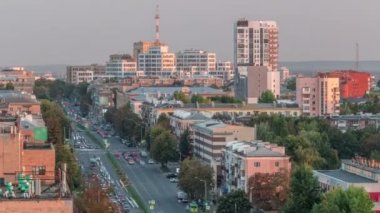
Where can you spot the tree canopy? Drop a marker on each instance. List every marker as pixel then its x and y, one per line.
pixel 236 201
pixel 184 145
pixel 267 97
pixel 164 148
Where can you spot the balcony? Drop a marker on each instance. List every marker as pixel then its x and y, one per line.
pixel 306 90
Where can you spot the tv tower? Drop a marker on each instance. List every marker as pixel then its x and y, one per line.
pixel 157 18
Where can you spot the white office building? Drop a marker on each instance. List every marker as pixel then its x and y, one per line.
pixel 122 66
pixel 196 61
pixel 158 61
pixel 224 70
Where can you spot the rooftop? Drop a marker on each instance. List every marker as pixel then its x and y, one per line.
pixel 37 146
pixel 346 176
pixel 190 115
pixel 12 96
pixel 211 124
pixel 171 90
pixel 255 148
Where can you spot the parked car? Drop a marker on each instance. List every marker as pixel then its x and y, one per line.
pixel 174 180
pixel 171 175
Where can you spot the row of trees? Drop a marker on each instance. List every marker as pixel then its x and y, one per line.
pixel 202 100
pixel 56 123
pixel 7 86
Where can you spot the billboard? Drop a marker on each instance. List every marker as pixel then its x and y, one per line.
pixel 40 133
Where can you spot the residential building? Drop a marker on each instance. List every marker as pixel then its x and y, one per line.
pixel 211 136
pixel 142 47
pixel 318 96
pixel 122 66
pixel 242 160
pixel 182 120
pixel 358 172
pixel 21 79
pixel 17 103
pixel 355 122
pixel 284 74
pixel 224 70
pixel 84 73
pixel 158 61
pixel 352 84
pixel 195 61
pixel 252 81
pixel 256 43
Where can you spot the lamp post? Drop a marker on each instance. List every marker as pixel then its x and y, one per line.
pixel 205 184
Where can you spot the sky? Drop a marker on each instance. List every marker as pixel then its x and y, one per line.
pixel 40 32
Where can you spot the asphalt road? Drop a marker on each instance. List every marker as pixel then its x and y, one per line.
pixel 150 182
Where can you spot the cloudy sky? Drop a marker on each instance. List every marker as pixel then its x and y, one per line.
pixel 37 32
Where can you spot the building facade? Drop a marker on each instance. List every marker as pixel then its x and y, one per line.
pixel 158 61
pixel 352 84
pixel 142 47
pixel 122 66
pixel 242 160
pixel 84 73
pixel 318 96
pixel 224 70
pixel 358 172
pixel 256 43
pixel 195 60
pixel 21 79
pixel 182 120
pixel 355 122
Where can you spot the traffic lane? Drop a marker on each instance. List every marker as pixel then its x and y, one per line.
pixel 152 184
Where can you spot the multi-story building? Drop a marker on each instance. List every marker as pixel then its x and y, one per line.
pixel 284 74
pixel 358 172
pixel 224 70
pixel 158 61
pixel 353 84
pixel 318 96
pixel 16 103
pixel 242 160
pixel 122 66
pixel 256 43
pixel 152 112
pixel 21 79
pixel 211 136
pixel 182 120
pixel 142 47
pixel 84 73
pixel 354 122
pixel 192 60
pixel 252 81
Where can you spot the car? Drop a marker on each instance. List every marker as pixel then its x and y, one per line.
pixel 171 175
pixel 173 180
pixel 131 162
pixel 150 161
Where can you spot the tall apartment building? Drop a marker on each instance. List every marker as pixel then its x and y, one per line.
pixel 122 66
pixel 353 84
pixel 158 61
pixel 242 160
pixel 84 73
pixel 318 96
pixel 22 79
pixel 196 60
pixel 255 45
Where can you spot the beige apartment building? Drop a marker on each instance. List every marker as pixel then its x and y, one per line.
pixel 318 96
pixel 22 79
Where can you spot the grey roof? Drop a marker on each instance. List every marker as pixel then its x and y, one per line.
pixel 346 176
pixel 197 116
pixel 12 96
pixel 171 90
pixel 263 152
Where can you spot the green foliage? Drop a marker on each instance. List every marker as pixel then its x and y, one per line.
pixel 9 86
pixel 163 121
pixel 184 145
pixel 304 191
pixel 64 154
pixel 181 97
pixel 190 176
pixel 236 200
pixel 267 97
pixel 352 200
pixel 225 99
pixel 291 84
pixel 164 148
pixel 199 99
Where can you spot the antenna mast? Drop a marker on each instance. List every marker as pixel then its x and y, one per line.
pixel 357 57
pixel 157 18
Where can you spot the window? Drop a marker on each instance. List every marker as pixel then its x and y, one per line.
pixel 257 164
pixel 277 164
pixel 38 170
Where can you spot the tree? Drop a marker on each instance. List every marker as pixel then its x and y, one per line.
pixel 370 143
pixel 269 191
pixel 304 191
pixel 164 148
pixel 163 121
pixel 184 144
pixel 234 201
pixel 9 86
pixel 267 97
pixel 181 97
pixel 352 200
pixel 198 99
pixel 190 176
pixel 291 84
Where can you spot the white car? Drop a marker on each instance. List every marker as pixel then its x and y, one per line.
pixel 173 180
pixel 150 161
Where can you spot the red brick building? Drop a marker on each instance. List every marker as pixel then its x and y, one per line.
pixel 353 84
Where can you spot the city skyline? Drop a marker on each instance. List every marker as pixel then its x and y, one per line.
pixel 54 32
